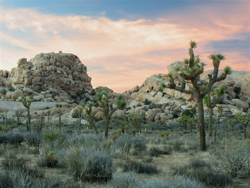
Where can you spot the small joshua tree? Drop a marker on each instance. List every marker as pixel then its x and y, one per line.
pixel 192 73
pixel 48 116
pixel 102 99
pixel 27 103
pixel 59 106
pixel 89 115
pixel 183 119
pixel 18 114
pixel 244 120
pixel 211 104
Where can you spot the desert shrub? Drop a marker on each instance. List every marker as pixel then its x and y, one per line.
pixel 39 123
pixel 179 183
pixel 20 165
pixel 88 164
pixel 147 102
pixel 234 158
pixel 48 160
pixel 33 138
pixel 11 89
pixel 4 91
pixel 6 181
pixel 153 105
pixel 138 167
pixel 237 90
pixel 147 160
pixel 176 113
pixel 189 112
pixel 157 151
pixel 178 145
pixel 201 171
pixel 124 180
pixel 16 138
pixel 3 138
pixel 125 142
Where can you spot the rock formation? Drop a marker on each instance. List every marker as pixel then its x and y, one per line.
pixel 62 72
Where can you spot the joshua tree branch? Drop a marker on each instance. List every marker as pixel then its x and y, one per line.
pixel 172 85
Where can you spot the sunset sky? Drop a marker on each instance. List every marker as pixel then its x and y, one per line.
pixel 123 42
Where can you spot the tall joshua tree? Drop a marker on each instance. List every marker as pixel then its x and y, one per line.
pixel 211 104
pixel 102 99
pixel 192 73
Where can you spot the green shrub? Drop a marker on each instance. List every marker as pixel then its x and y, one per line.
pixel 11 89
pixel 190 112
pixel 147 102
pixel 51 134
pixel 153 105
pixel 176 113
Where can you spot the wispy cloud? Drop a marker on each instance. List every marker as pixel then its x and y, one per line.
pixel 123 53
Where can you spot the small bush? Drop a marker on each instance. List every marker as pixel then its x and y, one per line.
pixel 147 102
pixel 179 183
pixel 12 89
pixel 178 145
pixel 202 172
pixel 138 167
pixel 189 113
pixel 155 151
pixel 88 164
pixel 153 105
pixel 33 138
pixel 124 180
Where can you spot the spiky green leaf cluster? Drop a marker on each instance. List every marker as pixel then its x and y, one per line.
pixel 59 106
pixel 213 57
pixel 228 70
pixel 206 100
pixel 177 69
pixel 102 95
pixel 186 61
pixel 205 87
pixel 220 56
pixel 162 85
pixel 220 91
pixel 193 44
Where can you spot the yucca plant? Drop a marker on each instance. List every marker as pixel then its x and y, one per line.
pixel 51 134
pixel 192 75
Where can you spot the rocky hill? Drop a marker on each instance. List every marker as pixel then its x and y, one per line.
pixel 60 74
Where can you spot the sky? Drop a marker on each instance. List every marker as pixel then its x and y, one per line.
pixel 123 42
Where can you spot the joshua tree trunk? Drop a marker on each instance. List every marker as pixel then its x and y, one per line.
pixel 210 121
pixel 60 119
pixel 201 124
pixel 245 132
pixel 215 132
pixel 92 124
pixel 107 127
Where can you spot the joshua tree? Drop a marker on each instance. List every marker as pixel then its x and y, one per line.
pixel 191 123
pixel 183 119
pixel 244 120
pixel 48 114
pixel 59 106
pixel 211 104
pixel 192 73
pixel 89 115
pixel 102 99
pixel 18 114
pixel 27 103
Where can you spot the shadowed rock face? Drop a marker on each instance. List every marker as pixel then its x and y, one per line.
pixel 62 71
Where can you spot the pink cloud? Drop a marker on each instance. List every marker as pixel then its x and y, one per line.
pixel 121 48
